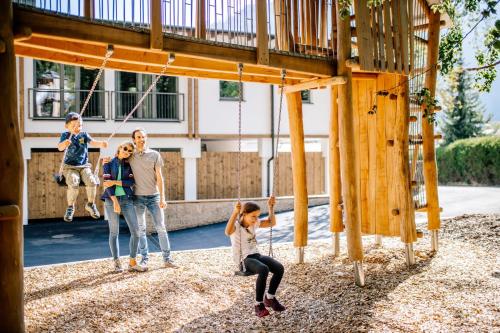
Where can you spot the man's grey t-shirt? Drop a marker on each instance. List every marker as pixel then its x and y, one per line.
pixel 143 166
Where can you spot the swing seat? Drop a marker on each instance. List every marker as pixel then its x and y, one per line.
pixel 61 180
pixel 243 273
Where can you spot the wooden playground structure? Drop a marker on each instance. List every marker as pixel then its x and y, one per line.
pixel 374 61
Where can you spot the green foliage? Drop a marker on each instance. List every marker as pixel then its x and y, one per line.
pixel 229 90
pixel 470 161
pixel 463 111
pixel 487 56
pixel 345 5
pixel 425 98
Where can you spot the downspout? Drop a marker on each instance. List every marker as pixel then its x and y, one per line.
pixel 272 144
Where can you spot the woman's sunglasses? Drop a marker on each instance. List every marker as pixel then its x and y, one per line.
pixel 127 150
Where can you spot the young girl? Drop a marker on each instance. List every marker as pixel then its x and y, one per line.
pixel 247 256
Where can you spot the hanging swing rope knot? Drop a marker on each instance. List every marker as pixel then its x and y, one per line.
pixel 170 60
pixel 59 177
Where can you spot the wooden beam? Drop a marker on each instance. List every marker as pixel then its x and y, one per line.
pixel 429 152
pixel 21 97
pixel 294 106
pixel 348 157
pixel 262 34
pixel 156 31
pixel 22 33
pixel 336 223
pixel 98 51
pixel 11 181
pixel 315 84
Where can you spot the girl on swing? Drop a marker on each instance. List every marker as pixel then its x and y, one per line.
pixel 246 255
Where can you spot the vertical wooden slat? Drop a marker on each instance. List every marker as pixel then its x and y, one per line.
pixel 429 153
pixel 196 109
pixel 190 107
pixel 295 21
pixel 382 225
pixel 334 29
pixel 156 31
pixel 372 158
pixel 411 22
pixel 21 96
pixel 88 9
pixel 380 34
pixel 364 35
pixel 397 35
pixel 374 26
pixel 403 19
pixel 323 37
pixel 390 120
pixel 362 114
pixel 336 223
pixel 262 34
pixel 389 45
pixel 201 29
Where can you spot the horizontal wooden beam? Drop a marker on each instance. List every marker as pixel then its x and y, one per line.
pixel 180 135
pixel 74 29
pixel 69 59
pixel 315 84
pixel 97 51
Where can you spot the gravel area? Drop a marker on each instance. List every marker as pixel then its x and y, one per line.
pixel 457 290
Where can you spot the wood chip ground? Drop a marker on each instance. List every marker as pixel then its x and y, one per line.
pixel 456 290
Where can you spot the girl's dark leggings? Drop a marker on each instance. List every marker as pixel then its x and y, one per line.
pixel 262 265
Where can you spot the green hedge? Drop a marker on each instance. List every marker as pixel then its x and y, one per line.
pixel 470 161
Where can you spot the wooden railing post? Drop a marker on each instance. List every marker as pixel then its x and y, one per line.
pixel 294 105
pixel 348 157
pixel 336 223
pixel 201 28
pixel 11 183
pixel 88 9
pixel 262 34
pixel 156 31
pixel 430 169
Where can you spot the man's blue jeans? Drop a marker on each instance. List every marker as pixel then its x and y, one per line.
pixel 128 211
pixel 152 204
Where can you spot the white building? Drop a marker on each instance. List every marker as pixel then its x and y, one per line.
pixel 181 114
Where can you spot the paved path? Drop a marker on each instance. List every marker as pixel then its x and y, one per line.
pixel 51 243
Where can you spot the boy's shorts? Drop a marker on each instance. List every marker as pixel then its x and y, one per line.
pixel 74 173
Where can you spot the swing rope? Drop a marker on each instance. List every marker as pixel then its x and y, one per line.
pixel 171 58
pixel 109 53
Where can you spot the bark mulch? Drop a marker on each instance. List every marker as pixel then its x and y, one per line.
pixel 456 290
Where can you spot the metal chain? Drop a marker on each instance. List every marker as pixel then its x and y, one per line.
pixel 108 55
pixel 276 157
pixel 171 58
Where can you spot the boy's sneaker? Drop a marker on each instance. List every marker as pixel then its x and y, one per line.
pixel 169 264
pixel 68 216
pixel 274 304
pixel 261 311
pixel 118 266
pixel 92 209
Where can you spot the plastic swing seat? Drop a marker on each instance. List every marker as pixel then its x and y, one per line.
pixel 241 272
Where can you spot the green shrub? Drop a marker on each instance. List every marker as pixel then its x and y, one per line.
pixel 470 161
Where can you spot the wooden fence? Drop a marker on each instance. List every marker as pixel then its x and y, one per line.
pixel 217 175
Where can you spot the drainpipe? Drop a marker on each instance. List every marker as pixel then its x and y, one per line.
pixel 272 144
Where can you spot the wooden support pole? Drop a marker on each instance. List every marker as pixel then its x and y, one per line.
pixel 336 224
pixel 429 153
pixel 156 31
pixel 407 221
pixel 88 9
pixel 262 34
pixel 11 181
pixel 190 107
pixel 201 26
pixel 348 157
pixel 294 106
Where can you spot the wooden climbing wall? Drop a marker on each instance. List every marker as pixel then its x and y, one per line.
pixel 376 139
pixel 383 36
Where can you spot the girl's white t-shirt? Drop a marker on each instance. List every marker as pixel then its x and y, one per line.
pixel 249 243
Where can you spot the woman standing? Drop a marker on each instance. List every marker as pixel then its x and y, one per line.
pixel 118 196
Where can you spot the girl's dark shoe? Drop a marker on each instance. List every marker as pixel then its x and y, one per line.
pixel 274 304
pixel 261 311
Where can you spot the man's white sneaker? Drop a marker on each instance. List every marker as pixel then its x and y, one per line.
pixel 118 266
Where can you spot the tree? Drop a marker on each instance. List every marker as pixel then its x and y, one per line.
pixel 463 111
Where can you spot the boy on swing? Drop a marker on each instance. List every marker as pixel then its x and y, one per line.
pixel 247 256
pixel 77 166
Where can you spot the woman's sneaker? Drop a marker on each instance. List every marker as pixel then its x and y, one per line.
pixel 118 266
pixel 92 209
pixel 134 267
pixel 261 311
pixel 68 216
pixel 274 304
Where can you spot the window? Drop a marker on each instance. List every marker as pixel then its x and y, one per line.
pixel 161 104
pixel 60 89
pixel 306 96
pixel 229 90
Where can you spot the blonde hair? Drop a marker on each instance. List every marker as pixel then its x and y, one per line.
pixel 123 144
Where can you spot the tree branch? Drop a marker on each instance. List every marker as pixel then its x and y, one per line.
pixel 482 67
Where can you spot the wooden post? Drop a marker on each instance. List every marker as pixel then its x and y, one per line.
pixel 156 31
pixel 190 107
pixel 12 175
pixel 336 224
pixel 294 105
pixel 348 158
pixel 201 27
pixel 323 36
pixel 429 154
pixel 21 97
pixel 408 229
pixel 262 34
pixel 88 9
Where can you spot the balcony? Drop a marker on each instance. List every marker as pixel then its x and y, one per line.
pixel 157 106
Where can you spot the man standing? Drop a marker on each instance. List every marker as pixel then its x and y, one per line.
pixel 149 193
